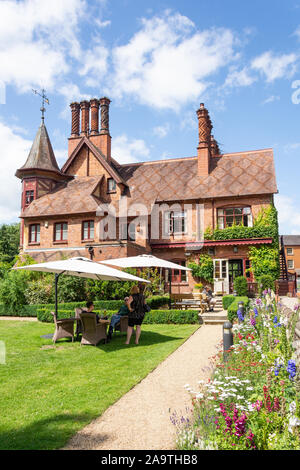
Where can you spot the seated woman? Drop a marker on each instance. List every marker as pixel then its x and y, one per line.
pixel 115 319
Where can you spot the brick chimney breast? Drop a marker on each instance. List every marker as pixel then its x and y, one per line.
pixel 204 146
pixel 94 104
pixel 75 120
pixel 85 117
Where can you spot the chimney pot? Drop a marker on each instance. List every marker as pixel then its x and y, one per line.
pixel 94 104
pixel 104 104
pixel 75 119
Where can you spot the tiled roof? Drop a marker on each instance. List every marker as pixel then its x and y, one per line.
pixel 239 174
pixel 73 197
pixel 291 240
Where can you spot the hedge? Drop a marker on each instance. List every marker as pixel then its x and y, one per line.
pixel 154 302
pixel 227 300
pixel 153 317
pixel 233 307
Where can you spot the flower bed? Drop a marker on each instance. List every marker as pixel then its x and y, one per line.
pixel 252 401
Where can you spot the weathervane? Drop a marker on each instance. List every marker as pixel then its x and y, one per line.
pixel 44 100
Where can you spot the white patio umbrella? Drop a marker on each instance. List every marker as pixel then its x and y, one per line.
pixel 145 261
pixel 81 267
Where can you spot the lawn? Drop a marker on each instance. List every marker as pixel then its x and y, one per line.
pixel 50 392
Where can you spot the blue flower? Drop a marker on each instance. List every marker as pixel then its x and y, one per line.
pixel 240 315
pixel 255 311
pixel 291 369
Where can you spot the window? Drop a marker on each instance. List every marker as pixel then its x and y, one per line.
pixel 176 274
pixel 131 231
pixel 61 232
pixel 175 222
pixel 230 216
pixel 290 264
pixel 289 251
pixel 88 230
pixel 34 233
pixel 29 197
pixel 248 273
pixel 111 185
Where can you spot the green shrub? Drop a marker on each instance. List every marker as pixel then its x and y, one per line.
pixel 233 307
pixel 241 286
pixel 204 269
pixel 227 300
pixel 265 281
pixel 153 317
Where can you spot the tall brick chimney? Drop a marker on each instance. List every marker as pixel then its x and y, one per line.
pixel 105 138
pixel 94 104
pixel 75 110
pixel 204 146
pixel 85 118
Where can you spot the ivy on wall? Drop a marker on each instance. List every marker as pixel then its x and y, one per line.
pixel 204 269
pixel 264 258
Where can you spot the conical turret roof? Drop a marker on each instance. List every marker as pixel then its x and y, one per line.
pixel 41 156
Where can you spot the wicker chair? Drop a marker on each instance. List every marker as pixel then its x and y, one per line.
pixel 92 332
pixel 63 328
pixel 122 325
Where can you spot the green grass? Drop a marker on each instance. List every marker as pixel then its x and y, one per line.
pixel 48 393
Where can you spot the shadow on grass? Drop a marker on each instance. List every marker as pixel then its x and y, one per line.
pixel 148 338
pixel 49 433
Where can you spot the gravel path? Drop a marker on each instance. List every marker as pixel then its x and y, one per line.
pixel 140 420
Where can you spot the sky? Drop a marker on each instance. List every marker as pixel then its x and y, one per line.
pixel 156 61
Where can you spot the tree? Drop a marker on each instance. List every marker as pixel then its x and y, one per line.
pixel 9 242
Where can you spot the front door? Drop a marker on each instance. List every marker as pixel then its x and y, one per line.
pixel 235 268
pixel 221 282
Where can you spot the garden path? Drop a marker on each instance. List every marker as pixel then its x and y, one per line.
pixel 140 420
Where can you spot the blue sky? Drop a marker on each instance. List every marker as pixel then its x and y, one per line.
pixel 156 61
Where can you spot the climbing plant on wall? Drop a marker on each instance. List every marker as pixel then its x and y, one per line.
pixel 204 269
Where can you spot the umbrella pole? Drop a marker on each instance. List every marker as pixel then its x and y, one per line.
pixel 170 287
pixel 56 285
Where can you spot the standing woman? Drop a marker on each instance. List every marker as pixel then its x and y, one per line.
pixel 136 307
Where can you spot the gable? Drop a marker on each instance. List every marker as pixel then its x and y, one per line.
pixel 86 163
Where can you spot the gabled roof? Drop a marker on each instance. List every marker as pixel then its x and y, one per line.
pixel 75 197
pixel 100 157
pixel 41 156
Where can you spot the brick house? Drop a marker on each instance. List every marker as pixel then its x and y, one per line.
pixel 291 246
pixel 161 207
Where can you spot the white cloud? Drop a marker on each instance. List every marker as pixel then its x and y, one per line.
pixel 274 67
pixel 239 78
pixel 271 99
pixel 126 150
pixel 161 131
pixel 36 40
pixel 288 214
pixel 94 65
pixel 168 63
pixel 14 152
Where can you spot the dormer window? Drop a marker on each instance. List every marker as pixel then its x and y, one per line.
pixel 111 185
pixel 29 197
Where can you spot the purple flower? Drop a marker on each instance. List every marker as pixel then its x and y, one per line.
pixel 240 316
pixel 255 311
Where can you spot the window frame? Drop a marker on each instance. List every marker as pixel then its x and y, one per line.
pixel 32 196
pixel 169 222
pixel 234 216
pixel 181 277
pixel 287 251
pixel 37 234
pixel 89 238
pixel 290 261
pixel 114 190
pixel 61 240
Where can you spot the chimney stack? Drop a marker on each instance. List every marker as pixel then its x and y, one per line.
pixel 75 110
pixel 105 138
pixel 85 118
pixel 204 146
pixel 94 103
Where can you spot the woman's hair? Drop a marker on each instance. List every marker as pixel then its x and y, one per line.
pixel 134 290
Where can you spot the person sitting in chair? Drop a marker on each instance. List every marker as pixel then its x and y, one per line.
pixel 115 319
pixel 90 309
pixel 211 300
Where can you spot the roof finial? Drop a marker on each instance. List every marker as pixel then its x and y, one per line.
pixel 44 100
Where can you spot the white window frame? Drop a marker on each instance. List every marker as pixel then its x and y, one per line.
pixel 291 253
pixel 170 217
pixel 292 262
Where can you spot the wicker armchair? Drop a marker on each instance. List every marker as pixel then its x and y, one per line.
pixel 63 328
pixel 92 332
pixel 122 325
